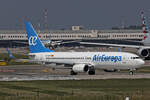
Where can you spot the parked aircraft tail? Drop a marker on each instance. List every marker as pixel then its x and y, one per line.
pixel 10 54
pixel 146 39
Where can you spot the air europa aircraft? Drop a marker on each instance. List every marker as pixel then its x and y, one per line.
pixel 80 61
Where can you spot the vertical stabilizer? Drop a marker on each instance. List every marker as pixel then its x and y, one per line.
pixel 35 44
pixel 10 54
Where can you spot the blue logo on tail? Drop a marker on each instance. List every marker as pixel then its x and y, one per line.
pixel 35 45
pixel 32 40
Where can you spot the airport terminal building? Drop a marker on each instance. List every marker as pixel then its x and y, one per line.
pixel 7 37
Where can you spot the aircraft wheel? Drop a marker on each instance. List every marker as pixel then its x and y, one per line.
pixel 131 73
pixel 91 72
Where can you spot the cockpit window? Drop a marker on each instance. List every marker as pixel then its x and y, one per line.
pixel 135 57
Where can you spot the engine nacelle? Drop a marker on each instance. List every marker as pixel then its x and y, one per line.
pixel 144 52
pixel 80 68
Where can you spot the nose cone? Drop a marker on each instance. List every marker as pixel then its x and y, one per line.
pixel 141 62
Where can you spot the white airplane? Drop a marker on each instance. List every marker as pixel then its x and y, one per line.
pixel 53 44
pixel 80 61
pixel 50 43
pixel 143 50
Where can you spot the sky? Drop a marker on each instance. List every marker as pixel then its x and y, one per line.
pixel 91 14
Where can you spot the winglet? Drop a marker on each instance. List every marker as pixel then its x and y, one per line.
pixel 10 54
pixel 119 49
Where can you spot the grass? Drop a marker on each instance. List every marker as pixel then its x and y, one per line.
pixel 116 89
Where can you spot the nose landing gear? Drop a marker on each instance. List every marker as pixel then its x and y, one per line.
pixel 132 71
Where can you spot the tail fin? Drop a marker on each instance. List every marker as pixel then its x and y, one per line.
pixel 144 27
pixel 119 49
pixel 35 44
pixel 10 54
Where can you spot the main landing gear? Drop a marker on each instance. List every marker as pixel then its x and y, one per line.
pixel 91 71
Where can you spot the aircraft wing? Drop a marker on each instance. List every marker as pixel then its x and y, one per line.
pixel 20 42
pixel 111 45
pixel 68 42
pixel 134 41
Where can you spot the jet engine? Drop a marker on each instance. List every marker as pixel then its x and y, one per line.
pixel 144 52
pixel 80 68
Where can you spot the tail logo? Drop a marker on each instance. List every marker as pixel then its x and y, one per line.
pixel 32 40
